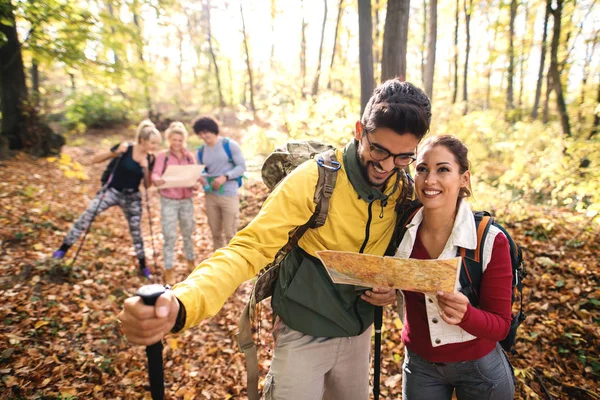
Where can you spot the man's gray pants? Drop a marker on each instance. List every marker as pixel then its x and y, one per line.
pixel 313 368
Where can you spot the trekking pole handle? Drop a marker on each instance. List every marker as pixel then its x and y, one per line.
pixel 149 295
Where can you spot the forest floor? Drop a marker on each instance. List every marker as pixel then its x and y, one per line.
pixel 59 335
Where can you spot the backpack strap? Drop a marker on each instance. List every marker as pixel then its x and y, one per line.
pixel 406 212
pixel 187 158
pixel 151 161
pixel 228 150
pixel 199 154
pixel 165 163
pixel 472 268
pixel 327 177
pixel 226 147
pixel 263 288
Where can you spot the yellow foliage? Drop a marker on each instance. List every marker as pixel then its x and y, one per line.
pixel 527 161
pixel 71 168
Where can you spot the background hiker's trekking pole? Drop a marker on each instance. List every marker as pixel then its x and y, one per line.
pixel 150 223
pixel 149 294
pixel 377 359
pixel 104 189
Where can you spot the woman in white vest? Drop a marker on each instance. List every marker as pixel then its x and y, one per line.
pixel 451 345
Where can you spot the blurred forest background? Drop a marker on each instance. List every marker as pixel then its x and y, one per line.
pixel 517 80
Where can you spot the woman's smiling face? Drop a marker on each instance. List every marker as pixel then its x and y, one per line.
pixel 438 180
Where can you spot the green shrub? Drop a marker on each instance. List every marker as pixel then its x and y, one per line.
pixel 95 110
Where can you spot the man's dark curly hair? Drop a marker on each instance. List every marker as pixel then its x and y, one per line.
pixel 205 124
pixel 399 106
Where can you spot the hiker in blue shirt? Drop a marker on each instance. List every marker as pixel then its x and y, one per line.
pixel 225 166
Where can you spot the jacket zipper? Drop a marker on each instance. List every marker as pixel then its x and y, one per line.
pixel 368 228
pixel 362 249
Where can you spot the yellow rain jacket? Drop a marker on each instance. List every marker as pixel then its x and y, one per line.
pixel 305 297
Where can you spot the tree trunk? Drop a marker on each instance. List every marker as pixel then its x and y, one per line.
pixel 335 41
pixel 456 21
pixel 213 56
pixel 431 49
pixel 248 63
pixel 273 15
pixel 522 57
pixel 35 80
pixel 554 72
pixel 511 57
pixel 540 80
pixel 395 37
pixel 315 88
pixel 111 12
pixel 365 51
pixel 546 112
pixel 180 63
pixel 596 124
pixel 303 54
pixel 488 73
pixel 230 74
pixel 20 128
pixel 377 39
pixel 139 40
pixel 72 79
pixel 468 10
pixel 13 86
pixel 589 55
pixel 424 42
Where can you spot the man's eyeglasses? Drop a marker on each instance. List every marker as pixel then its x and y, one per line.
pixel 380 154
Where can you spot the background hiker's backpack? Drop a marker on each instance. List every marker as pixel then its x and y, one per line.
pixel 110 168
pixel 227 149
pixel 276 167
pixel 472 268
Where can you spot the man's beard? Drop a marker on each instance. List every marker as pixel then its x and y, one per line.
pixel 363 165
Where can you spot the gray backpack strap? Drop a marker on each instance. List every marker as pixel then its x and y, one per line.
pixel 325 185
pixel 263 288
pixel 248 347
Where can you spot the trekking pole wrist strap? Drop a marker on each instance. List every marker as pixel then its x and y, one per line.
pixel 181 317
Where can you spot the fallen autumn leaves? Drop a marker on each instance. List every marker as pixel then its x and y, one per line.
pixel 60 337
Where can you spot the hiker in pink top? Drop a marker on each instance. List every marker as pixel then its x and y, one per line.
pixel 176 203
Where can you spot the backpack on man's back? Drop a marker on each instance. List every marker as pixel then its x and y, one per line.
pixel 275 168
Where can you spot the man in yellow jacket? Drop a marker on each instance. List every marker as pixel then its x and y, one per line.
pixel 322 337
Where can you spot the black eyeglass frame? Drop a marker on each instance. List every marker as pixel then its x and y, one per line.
pixel 379 153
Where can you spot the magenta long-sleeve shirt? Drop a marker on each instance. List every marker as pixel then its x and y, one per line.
pixel 489 323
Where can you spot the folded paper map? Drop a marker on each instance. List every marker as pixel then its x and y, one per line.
pixel 179 176
pixel 366 270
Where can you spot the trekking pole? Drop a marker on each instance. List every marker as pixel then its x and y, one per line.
pixel 149 294
pixel 104 189
pixel 150 222
pixel 377 359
